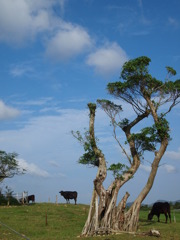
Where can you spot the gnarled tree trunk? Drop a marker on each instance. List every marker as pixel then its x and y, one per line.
pixel 105 216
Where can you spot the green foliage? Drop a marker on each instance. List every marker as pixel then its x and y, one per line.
pixel 136 83
pixel 145 140
pixel 161 129
pixel 177 85
pixel 136 80
pixel 109 106
pixel 148 137
pixel 118 169
pixel 92 107
pixel 9 165
pixel 171 71
pixel 4 200
pixel 7 198
pixel 123 123
pixel 89 157
pixel 135 67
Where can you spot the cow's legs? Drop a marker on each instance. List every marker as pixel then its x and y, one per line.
pixel 166 216
pixel 158 217
pixel 169 214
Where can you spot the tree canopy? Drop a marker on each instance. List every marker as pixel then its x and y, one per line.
pixel 9 165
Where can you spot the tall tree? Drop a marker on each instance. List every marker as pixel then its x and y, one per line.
pixel 9 165
pixel 146 95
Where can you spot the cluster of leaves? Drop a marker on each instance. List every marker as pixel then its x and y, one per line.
pixel 9 165
pixel 161 129
pixel 148 137
pixel 171 71
pixel 172 86
pixel 123 123
pixel 136 83
pixel 135 76
pixel 145 140
pixel 89 157
pixel 118 169
pixel 92 107
pixel 109 106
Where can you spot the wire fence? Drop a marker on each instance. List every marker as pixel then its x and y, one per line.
pixel 20 197
pixel 14 231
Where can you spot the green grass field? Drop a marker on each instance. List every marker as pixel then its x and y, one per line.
pixel 66 222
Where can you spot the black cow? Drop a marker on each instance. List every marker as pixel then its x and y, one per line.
pixel 158 208
pixel 27 199
pixel 69 195
pixel 31 198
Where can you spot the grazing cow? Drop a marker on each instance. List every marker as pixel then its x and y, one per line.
pixel 69 195
pixel 31 198
pixel 158 208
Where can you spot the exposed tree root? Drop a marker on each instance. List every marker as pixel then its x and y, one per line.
pixel 108 231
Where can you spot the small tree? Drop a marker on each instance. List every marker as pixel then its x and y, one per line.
pixel 146 95
pixel 9 166
pixel 8 193
pixel 7 198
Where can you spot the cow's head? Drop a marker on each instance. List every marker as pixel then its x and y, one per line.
pixel 61 192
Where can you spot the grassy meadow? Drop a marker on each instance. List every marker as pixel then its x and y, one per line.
pixel 47 221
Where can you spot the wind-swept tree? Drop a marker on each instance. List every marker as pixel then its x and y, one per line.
pixel 151 100
pixel 9 165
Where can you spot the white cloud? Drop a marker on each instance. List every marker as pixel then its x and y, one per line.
pixel 20 70
pixel 7 112
pixel 32 169
pixel 172 155
pixel 38 102
pixel 68 42
pixel 169 168
pixel 48 134
pixel 20 19
pixel 108 59
pixel 166 167
pixel 47 143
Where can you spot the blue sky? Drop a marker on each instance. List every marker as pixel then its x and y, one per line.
pixel 58 55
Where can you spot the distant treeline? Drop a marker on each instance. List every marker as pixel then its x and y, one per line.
pixel 8 200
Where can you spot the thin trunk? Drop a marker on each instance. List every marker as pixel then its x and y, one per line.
pixel 131 218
